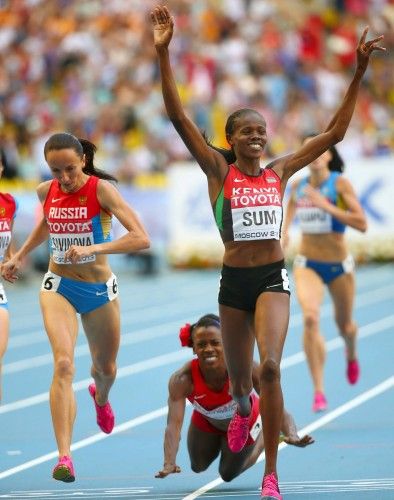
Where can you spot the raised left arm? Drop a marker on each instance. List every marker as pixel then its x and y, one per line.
pixel 335 131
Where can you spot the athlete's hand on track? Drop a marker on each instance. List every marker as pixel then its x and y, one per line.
pixel 168 469
pixel 299 442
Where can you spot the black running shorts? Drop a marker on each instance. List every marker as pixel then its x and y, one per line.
pixel 240 287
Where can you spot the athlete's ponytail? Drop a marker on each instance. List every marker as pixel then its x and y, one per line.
pixel 336 164
pixel 64 140
pixel 228 154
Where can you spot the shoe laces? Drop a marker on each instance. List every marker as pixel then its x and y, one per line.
pixel 242 422
pixel 270 482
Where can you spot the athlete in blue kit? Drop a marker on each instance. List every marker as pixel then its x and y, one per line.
pixel 325 203
pixel 254 289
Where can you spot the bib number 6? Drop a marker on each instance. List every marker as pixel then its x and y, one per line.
pixel 48 283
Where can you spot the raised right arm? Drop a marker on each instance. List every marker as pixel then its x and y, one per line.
pixel 211 162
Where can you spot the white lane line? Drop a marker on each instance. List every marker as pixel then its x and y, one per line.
pixel 147 417
pixel 142 292
pixel 329 417
pixel 372 297
pixel 162 360
pixel 128 314
pixel 165 359
pixel 149 333
pixel 337 343
pixel 39 336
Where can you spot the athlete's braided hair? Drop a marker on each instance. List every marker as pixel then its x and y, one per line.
pixel 336 164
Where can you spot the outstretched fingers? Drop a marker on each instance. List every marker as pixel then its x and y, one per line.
pixel 160 15
pixel 363 36
pixel 368 47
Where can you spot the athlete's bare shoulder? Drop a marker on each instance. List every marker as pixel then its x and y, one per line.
pixel 42 190
pixel 181 382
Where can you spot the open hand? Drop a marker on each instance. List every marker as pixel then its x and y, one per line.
pixel 168 469
pixel 299 442
pixel 365 49
pixel 163 26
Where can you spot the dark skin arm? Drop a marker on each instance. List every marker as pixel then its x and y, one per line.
pixel 288 427
pixel 211 162
pixel 179 386
pixel 285 167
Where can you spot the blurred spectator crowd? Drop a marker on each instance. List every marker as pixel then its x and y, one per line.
pixel 89 67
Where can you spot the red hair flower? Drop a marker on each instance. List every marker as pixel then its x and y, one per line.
pixel 185 335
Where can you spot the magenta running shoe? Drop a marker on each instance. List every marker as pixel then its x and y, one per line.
pixel 105 415
pixel 353 371
pixel 270 488
pixel 319 402
pixel 64 470
pixel 238 432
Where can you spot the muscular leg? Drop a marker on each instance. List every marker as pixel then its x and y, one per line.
pixel 232 465
pixel 4 328
pixel 62 328
pixel 102 328
pixel 271 323
pixel 342 293
pixel 310 291
pixel 203 448
pixel 238 343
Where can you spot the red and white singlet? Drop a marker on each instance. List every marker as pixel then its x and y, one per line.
pixel 249 207
pixel 75 219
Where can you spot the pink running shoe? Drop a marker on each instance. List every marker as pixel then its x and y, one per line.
pixel 105 415
pixel 238 432
pixel 64 470
pixel 270 488
pixel 319 402
pixel 353 371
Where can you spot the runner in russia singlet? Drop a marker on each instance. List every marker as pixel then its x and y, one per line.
pixel 75 219
pixel 249 207
pixel 7 214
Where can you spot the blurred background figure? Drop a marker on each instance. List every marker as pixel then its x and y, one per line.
pixel 8 208
pixel 326 204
